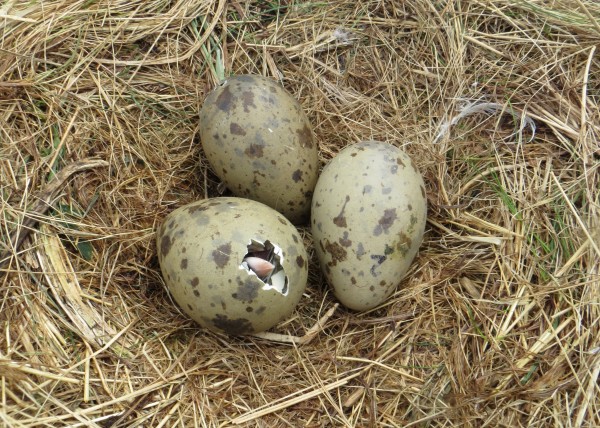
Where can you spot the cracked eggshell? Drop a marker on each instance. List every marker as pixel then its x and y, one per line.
pixel 201 247
pixel 260 143
pixel 368 218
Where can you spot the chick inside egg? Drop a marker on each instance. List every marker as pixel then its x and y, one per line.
pixel 265 261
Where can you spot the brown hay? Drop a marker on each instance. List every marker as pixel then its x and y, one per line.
pixel 498 104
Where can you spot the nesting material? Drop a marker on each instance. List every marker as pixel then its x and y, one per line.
pixel 496 320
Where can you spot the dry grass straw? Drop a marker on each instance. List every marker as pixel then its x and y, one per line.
pixel 497 102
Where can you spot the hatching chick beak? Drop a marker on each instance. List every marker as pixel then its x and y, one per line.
pixel 261 267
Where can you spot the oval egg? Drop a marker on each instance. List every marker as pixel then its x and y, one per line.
pixel 233 265
pixel 260 143
pixel 368 218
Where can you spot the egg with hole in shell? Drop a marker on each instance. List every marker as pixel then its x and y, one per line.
pixel 233 265
pixel 259 142
pixel 367 220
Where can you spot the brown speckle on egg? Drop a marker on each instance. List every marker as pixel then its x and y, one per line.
pixel 386 221
pixel 248 101
pixel 247 290
pixel 344 241
pixel 340 219
pixel 236 129
pixel 221 255
pixel 297 176
pixel 235 327
pixel 338 253
pixel 255 151
pixel 224 100
pixel 165 245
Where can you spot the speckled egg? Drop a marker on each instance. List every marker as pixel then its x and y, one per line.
pixel 259 142
pixel 233 265
pixel 368 218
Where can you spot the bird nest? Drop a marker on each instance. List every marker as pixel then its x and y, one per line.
pixel 497 320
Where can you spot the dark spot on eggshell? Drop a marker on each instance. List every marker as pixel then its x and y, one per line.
pixel 184 263
pixel 221 255
pixel 423 192
pixel 249 309
pixel 386 221
pixel 379 260
pixel 297 176
pixel 295 238
pixel 394 169
pixel 409 206
pixel 338 253
pixel 165 245
pixel 360 250
pixel 281 220
pixel 404 244
pixel 372 288
pixel 344 240
pixel 190 307
pixel 340 219
pixel 260 310
pixel 195 281
pixel 196 293
pixel 234 327
pixel 254 151
pixel 196 208
pixel 353 281
pixel 305 137
pixel 300 261
pixel 248 100
pixel 225 99
pixel 413 223
pixel 236 129
pixel 247 290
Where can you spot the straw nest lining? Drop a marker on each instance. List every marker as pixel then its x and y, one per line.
pixel 497 321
